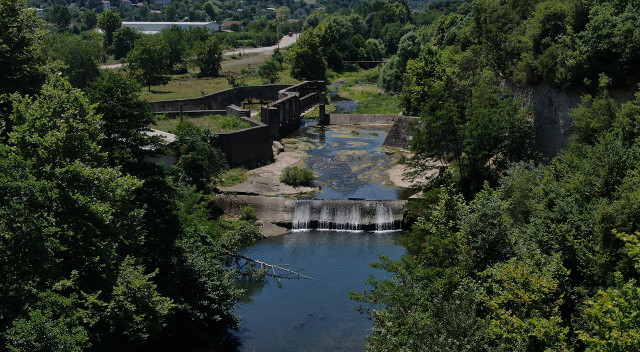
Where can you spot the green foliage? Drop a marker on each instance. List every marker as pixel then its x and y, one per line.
pixel 124 117
pixel 307 63
pixel 149 61
pixel 79 56
pixel 469 123
pixel 248 214
pixel 296 176
pixel 175 41
pixel 59 15
pixel 20 63
pixel 198 160
pixel 109 22
pixel 208 56
pixel 612 316
pixel 268 71
pixel 123 40
pixel 136 310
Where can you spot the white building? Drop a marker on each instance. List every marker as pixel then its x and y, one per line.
pixel 157 27
pixel 163 2
pixel 106 5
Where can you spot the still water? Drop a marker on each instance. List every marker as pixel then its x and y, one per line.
pixel 313 315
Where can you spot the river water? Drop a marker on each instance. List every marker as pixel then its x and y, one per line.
pixel 317 315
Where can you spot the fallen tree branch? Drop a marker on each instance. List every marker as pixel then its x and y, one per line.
pixel 274 268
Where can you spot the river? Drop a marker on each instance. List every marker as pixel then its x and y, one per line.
pixel 317 314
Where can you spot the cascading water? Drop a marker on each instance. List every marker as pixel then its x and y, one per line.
pixel 344 215
pixel 301 217
pixel 384 217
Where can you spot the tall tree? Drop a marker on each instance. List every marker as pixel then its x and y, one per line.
pixel 20 61
pixel 148 61
pixel 208 56
pixel 59 15
pixel 124 117
pixel 109 21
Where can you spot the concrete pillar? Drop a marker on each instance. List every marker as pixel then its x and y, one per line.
pixel 323 117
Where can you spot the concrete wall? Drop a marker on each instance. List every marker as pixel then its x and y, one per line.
pixel 192 113
pixel 234 110
pixel 283 115
pixel 362 119
pixel 220 100
pixel 248 146
pixel 400 135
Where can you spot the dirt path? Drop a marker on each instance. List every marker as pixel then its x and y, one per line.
pixel 284 42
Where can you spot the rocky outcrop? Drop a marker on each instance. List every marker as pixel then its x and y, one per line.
pixel 551 113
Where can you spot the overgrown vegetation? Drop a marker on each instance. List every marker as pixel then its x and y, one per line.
pixel 98 244
pixel 212 123
pixel 297 176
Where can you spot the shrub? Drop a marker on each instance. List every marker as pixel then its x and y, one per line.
pixel 297 176
pixel 248 214
pixel 234 123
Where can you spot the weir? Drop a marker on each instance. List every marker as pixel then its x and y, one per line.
pixel 345 215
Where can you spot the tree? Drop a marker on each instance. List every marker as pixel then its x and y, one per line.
pixel 199 160
pixel 208 8
pixel 208 56
pixel 149 61
pixel 79 56
pixel 59 15
pixel 268 71
pixel 109 21
pixel 124 117
pixel 306 60
pixel 175 40
pixel 20 62
pixel 89 19
pixel 123 40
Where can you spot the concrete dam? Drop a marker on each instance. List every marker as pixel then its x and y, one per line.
pixel 345 215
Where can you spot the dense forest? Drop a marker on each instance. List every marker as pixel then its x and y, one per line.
pixel 511 250
pixel 507 250
pixel 100 249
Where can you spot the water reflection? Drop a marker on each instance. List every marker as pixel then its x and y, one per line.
pixel 314 315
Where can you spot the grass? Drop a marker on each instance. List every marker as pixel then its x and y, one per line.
pixel 214 123
pixel 232 177
pixel 362 86
pixel 296 176
pixel 380 104
pixel 189 85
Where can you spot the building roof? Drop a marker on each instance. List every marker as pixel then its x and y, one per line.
pixel 166 23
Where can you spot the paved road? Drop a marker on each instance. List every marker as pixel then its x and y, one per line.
pixel 284 42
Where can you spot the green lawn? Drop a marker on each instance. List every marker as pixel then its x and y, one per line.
pixel 214 123
pixel 189 85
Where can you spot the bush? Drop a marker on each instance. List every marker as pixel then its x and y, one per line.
pixel 297 176
pixel 248 214
pixel 234 123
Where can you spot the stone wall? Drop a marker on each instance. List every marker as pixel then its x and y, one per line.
pixel 246 147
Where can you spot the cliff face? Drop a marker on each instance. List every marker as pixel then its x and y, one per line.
pixel 551 108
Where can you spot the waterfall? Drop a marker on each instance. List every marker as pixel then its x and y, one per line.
pixel 346 215
pixel 384 217
pixel 301 217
